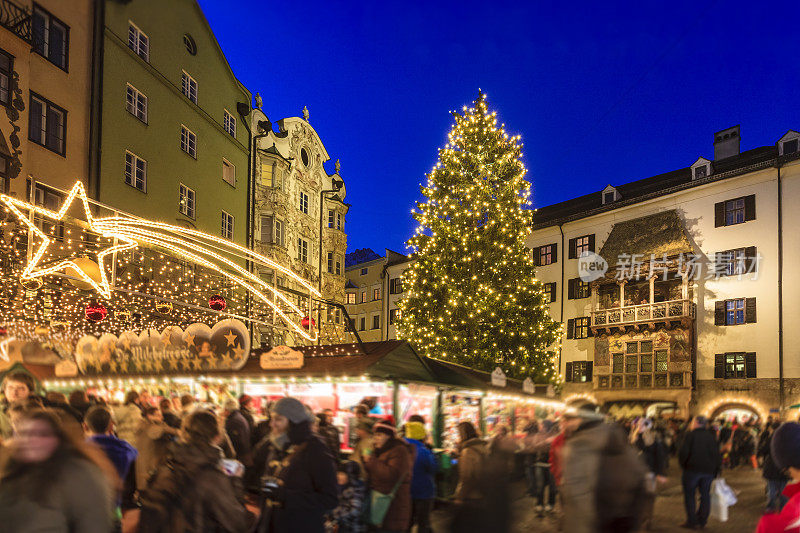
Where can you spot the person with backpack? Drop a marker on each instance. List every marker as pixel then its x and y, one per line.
pixel 192 491
pixel 603 477
pixel 299 487
pixel 701 461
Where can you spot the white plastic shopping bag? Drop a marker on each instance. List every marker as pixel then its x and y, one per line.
pixel 722 497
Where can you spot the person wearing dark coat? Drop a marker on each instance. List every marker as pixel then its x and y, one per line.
pixel 776 479
pixel 423 486
pixel 329 432
pixel 300 487
pixel 192 479
pixel 169 416
pixel 391 465
pixel 700 460
pixel 246 408
pixel 238 431
pixel 652 450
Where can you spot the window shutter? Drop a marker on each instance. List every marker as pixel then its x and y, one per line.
pixel 750 254
pixel 719 214
pixel 266 229
pixel 750 310
pixel 572 253
pixel 568 372
pixel 570 328
pixel 750 207
pixel 719 366
pixel 591 242
pixel 555 252
pixel 553 292
pixel 750 364
pixel 589 371
pixel 719 313
pixel 536 256
pixel 571 288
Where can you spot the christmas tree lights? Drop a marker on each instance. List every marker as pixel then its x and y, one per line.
pixel 472 297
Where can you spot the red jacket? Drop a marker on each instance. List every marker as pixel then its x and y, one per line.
pixel 788 520
pixel 556 451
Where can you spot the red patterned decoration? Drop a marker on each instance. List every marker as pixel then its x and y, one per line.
pixel 306 321
pixel 217 303
pixel 96 312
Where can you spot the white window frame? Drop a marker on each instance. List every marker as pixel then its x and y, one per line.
pixel 350 298
pixel 138 49
pixel 331 218
pixel 582 244
pixel 330 263
pixel 229 123
pixel 233 170
pixel 50 20
pixel 189 86
pixel 302 250
pixel 187 201
pixel 278 228
pixel 303 204
pixel 187 146
pixel 133 100
pixel 339 221
pixel 227 225
pixel 133 174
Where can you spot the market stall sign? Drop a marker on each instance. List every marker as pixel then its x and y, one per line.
pixel 528 386
pixel 225 346
pixel 498 377
pixel 282 358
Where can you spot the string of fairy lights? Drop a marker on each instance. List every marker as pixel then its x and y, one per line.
pixel 57 272
pixel 472 295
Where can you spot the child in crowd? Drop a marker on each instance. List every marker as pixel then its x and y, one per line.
pixel 348 516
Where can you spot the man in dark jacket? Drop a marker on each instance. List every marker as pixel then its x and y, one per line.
pixel 776 479
pixel 329 432
pixel 300 486
pixel 701 462
pixel 239 432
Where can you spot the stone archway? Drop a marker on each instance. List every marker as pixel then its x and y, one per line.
pixel 736 409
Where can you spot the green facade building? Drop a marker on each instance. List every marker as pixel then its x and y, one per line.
pixel 171 143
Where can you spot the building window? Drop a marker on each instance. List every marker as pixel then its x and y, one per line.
pixel 338 267
pixel 577 288
pixel 138 42
pixel 579 245
pixel 135 171
pixel 376 322
pixel 735 365
pixel 790 147
pixel 396 286
pixel 44 196
pixel 188 86
pixel 189 43
pixel 227 225
pixel 50 37
pixel 6 68
pixel 136 103
pixel 376 294
pixel 700 172
pixel 736 262
pixel 363 296
pixel 339 221
pixel 48 124
pixel 661 360
pixel 394 315
pixel 330 262
pixel 186 201
pixel 545 255
pixel 364 271
pixel 363 323
pixel 302 250
pixel 228 172
pixel 229 123
pixel 350 298
pixel 735 211
pixel 617 363
pixel 331 218
pixel 578 371
pixel 188 141
pixel 578 328
pixel 735 311
pixel 303 205
pixel 272 230
pixel 550 292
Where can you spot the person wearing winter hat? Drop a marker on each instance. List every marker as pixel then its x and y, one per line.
pixel 391 466
pixel 785 451
pixel 300 483
pixel 423 486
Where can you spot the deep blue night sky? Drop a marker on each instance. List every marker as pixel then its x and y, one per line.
pixel 600 93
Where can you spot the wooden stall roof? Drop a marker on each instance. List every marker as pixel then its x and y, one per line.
pixel 461 376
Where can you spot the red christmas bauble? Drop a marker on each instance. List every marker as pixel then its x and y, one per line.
pixel 96 312
pixel 306 321
pixel 217 303
pixel 3 332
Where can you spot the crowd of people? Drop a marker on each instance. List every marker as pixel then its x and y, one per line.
pixel 75 464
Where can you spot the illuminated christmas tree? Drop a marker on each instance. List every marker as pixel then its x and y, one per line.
pixel 471 296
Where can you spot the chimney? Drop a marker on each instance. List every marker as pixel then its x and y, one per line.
pixel 726 143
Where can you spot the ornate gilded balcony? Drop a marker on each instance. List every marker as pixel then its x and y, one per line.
pixel 648 313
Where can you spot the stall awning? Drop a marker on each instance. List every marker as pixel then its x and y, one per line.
pixel 659 234
pixel 469 378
